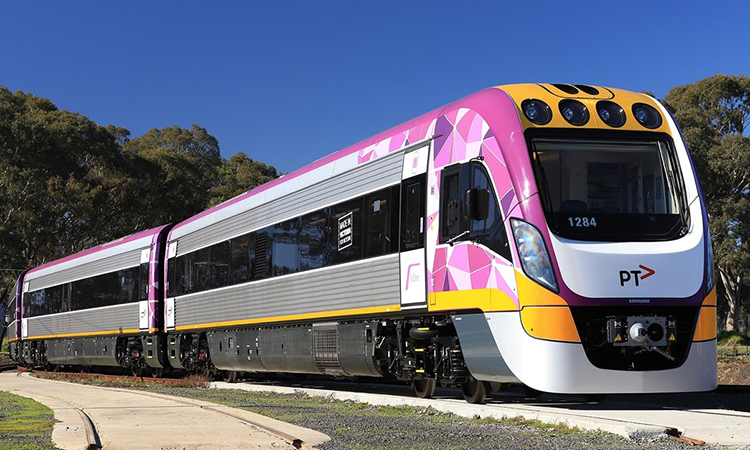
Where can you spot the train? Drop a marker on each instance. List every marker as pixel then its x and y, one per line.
pixel 548 235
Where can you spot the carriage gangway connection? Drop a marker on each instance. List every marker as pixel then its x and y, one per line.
pixel 629 418
pixel 92 417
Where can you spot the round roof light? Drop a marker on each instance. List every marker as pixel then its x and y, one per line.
pixel 536 111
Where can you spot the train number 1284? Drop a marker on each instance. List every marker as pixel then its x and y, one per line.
pixel 582 221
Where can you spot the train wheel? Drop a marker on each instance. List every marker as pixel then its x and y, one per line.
pixel 137 371
pixel 157 372
pixel 424 388
pixel 531 393
pixel 230 376
pixel 496 386
pixel 474 390
pixel 594 398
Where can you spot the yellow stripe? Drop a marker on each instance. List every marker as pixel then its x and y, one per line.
pixel 13 339
pixel 550 322
pixel 488 299
pixel 153 330
pixel 531 293
pixel 710 299
pixel 705 329
pixel 317 315
pixel 95 333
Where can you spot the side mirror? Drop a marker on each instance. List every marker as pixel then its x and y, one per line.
pixel 477 204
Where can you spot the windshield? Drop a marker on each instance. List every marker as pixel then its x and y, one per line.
pixel 609 190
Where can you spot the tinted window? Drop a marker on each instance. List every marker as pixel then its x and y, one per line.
pixel 285 252
pixel 312 241
pixel 143 281
pixel 203 270
pixel 220 258
pixel 450 204
pixel 241 258
pixel 480 180
pixel 186 273
pixel 412 227
pixel 128 280
pixel 381 222
pixel 346 222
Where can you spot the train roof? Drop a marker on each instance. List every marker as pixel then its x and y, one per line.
pixel 118 246
pixel 342 160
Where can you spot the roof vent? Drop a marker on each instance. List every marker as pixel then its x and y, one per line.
pixel 567 88
pixel 588 89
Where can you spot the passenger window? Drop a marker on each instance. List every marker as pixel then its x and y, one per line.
pixel 203 270
pixel 220 259
pixel 346 222
pixel 285 251
pixel 312 245
pixel 381 227
pixel 241 258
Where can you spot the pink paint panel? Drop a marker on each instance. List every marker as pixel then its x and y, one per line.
pixel 464 125
pixel 452 116
pixel 494 148
pixel 451 284
pixel 440 258
pixel 478 258
pixel 439 279
pixel 461 279
pixel 475 133
pixel 460 258
pixel 459 148
pixel 443 155
pixel 397 141
pixel 480 278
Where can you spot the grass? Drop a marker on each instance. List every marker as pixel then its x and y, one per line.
pixel 24 424
pixel 732 338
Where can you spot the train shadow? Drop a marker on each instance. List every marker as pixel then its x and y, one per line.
pixel 729 399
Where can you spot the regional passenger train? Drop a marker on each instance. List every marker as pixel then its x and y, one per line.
pixel 553 235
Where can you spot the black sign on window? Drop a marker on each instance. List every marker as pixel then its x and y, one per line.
pixel 345 231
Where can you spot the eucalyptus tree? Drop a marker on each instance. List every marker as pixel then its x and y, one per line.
pixel 714 114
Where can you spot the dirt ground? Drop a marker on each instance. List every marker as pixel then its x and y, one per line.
pixel 734 371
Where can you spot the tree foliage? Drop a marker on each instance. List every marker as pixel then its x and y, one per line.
pixel 67 183
pixel 714 114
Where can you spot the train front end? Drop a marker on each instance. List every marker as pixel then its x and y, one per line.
pixel 614 275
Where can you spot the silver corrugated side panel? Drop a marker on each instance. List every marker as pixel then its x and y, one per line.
pixel 105 265
pixel 368 283
pixel 382 172
pixel 110 318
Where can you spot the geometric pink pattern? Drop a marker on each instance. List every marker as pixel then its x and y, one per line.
pixel 462 134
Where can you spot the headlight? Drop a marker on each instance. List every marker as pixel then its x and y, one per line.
pixel 611 113
pixel 534 257
pixel 574 112
pixel 536 111
pixel 646 115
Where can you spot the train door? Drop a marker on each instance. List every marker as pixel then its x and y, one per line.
pixel 413 267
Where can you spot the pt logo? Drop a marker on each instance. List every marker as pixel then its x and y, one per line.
pixel 626 276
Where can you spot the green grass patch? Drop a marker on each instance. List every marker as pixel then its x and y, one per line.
pixel 24 423
pixel 732 338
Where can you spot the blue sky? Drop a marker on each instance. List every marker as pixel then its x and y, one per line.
pixel 289 82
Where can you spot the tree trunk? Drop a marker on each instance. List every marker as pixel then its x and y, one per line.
pixel 732 287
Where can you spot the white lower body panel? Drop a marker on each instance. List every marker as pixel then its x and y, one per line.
pixel 560 367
